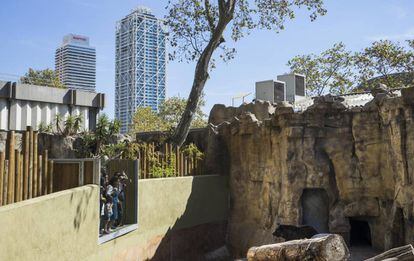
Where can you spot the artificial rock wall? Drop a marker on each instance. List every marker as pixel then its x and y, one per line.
pixel 361 158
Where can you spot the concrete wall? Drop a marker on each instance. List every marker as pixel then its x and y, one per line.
pixel 23 105
pixel 176 215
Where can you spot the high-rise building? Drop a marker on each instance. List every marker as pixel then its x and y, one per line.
pixel 75 63
pixel 140 64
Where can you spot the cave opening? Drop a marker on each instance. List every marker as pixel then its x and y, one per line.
pixel 360 233
pixel 398 229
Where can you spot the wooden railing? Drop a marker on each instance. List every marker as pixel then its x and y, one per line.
pixel 24 173
pixel 167 160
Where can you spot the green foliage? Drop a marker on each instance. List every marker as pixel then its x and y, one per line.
pixel 191 150
pixel 145 119
pixel 123 150
pixel 331 71
pixel 45 77
pixel 193 23
pixel 45 128
pixel 157 170
pixel 197 30
pixel 72 124
pixel 98 142
pixel 58 122
pixel 339 71
pixel 172 109
pixel 384 59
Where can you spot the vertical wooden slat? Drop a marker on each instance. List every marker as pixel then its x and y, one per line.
pixel 45 171
pixel 40 172
pixel 6 182
pixel 21 176
pixel 50 177
pixel 26 151
pixel 2 163
pixel 181 164
pixel 36 192
pixel 17 184
pixel 144 162
pixel 10 189
pixel 30 185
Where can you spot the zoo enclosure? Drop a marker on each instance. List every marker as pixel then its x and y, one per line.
pixel 166 160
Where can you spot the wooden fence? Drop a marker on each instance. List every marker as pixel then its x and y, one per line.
pixel 165 160
pixel 24 173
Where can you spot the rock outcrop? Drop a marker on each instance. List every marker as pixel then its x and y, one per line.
pixel 360 159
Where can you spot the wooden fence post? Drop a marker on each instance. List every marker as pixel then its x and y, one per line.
pixel 6 182
pixel 50 174
pixel 45 172
pixel 21 177
pixel 10 189
pixel 30 129
pixel 40 171
pixel 26 153
pixel 36 192
pixel 18 176
pixel 2 162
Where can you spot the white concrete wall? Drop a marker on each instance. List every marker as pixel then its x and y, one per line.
pixel 30 113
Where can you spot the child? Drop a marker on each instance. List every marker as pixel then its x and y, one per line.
pixel 109 189
pixel 113 191
pixel 108 214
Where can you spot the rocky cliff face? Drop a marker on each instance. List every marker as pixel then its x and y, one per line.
pixel 359 160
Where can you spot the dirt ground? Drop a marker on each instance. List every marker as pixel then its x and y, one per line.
pixel 359 253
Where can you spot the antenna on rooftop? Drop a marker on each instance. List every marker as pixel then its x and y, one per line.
pixel 239 96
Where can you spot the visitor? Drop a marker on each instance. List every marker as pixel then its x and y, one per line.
pixel 103 183
pixel 123 178
pixel 113 192
pixel 108 214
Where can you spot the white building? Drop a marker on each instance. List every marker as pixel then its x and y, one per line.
pixel 140 64
pixel 75 63
pixel 288 87
pixel 23 105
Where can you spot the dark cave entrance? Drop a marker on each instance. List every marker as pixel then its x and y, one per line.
pixel 398 229
pixel 315 209
pixel 360 233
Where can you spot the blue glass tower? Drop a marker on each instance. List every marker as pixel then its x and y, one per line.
pixel 140 66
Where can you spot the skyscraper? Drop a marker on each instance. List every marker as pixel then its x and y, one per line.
pixel 75 63
pixel 140 64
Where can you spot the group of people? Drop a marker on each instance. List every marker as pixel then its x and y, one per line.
pixel 112 201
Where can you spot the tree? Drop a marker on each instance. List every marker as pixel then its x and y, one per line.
pixel 331 71
pixel 45 77
pixel 168 117
pixel 198 29
pixel 172 109
pixel 385 62
pixel 338 71
pixel 145 119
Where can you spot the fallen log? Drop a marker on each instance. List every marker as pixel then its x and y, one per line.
pixel 330 247
pixel 403 253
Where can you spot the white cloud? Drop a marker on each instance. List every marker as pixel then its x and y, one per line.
pixel 409 34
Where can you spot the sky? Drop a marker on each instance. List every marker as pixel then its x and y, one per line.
pixel 31 30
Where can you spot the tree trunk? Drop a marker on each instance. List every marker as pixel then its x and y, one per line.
pixel 400 253
pixel 324 247
pixel 200 77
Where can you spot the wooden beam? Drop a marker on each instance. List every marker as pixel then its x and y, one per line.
pixel 26 153
pixel 10 189
pixel 36 178
pixel 2 163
